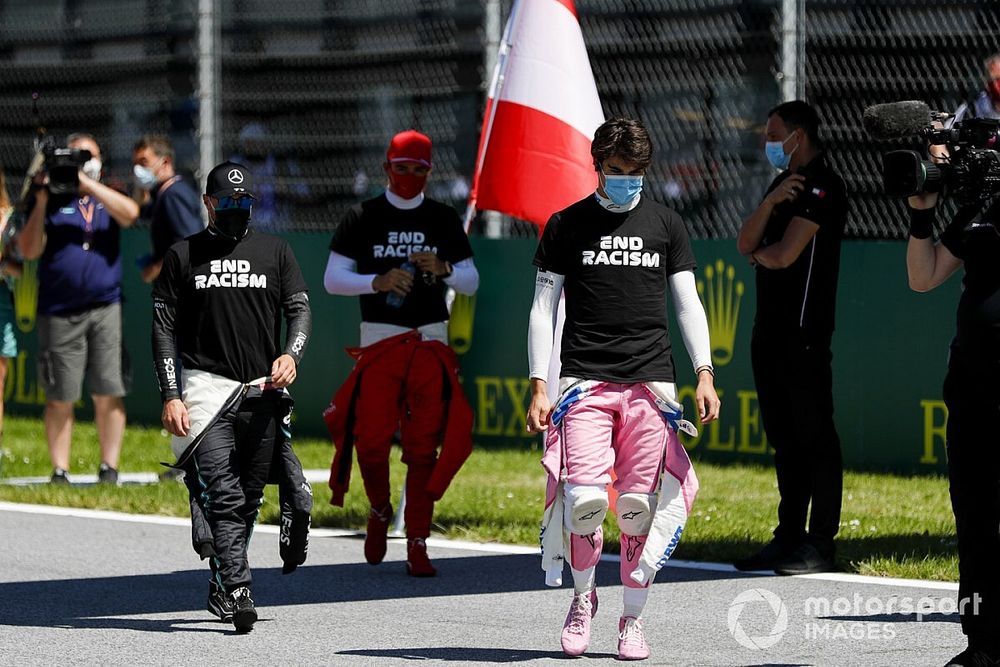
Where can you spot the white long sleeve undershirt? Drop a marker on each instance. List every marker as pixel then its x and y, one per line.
pixel 691 318
pixel 542 320
pixel 342 278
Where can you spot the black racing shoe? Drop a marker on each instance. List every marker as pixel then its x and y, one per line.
pixel 807 559
pixel 59 476
pixel 244 614
pixel 773 553
pixel 971 657
pixel 107 475
pixel 172 475
pixel 219 603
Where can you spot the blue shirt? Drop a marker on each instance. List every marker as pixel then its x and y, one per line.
pixel 81 265
pixel 174 213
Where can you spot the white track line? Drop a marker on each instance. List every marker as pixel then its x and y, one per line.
pixel 461 545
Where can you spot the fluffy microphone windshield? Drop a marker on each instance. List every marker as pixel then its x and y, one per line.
pixel 896 120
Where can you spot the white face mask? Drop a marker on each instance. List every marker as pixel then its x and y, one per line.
pixel 145 177
pixel 92 168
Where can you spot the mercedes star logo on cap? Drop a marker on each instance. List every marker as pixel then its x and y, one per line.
pixel 235 176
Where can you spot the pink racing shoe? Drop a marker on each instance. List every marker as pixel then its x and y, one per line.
pixel 576 630
pixel 631 640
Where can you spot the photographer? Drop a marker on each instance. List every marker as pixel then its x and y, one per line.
pixel 75 237
pixel 972 394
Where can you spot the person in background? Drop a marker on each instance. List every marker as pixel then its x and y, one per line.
pixel 986 104
pixel 168 201
pixel 76 238
pixel 793 241
pixel 9 268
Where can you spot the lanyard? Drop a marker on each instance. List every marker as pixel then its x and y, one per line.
pixel 87 211
pixel 166 184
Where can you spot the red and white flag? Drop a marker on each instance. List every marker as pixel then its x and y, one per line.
pixel 534 150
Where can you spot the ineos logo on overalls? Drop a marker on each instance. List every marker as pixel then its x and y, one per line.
pixel 236 176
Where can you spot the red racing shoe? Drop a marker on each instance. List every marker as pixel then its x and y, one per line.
pixel 378 531
pixel 417 562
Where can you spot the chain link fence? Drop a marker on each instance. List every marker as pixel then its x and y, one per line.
pixel 311 90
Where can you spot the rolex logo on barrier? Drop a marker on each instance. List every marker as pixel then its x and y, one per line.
pixel 26 297
pixel 721 293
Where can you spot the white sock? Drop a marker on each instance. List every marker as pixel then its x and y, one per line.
pixel 635 600
pixel 583 580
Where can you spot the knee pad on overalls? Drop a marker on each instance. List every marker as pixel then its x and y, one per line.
pixel 586 506
pixel 634 512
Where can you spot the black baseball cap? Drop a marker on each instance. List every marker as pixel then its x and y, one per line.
pixel 227 179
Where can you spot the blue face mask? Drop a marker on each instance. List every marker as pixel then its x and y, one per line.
pixel 775 151
pixel 622 189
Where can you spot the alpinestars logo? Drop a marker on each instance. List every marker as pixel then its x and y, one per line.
pixel 402 244
pixel 621 251
pixel 230 273
pixel 632 546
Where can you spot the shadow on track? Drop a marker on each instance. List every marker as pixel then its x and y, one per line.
pixel 101 602
pixel 460 654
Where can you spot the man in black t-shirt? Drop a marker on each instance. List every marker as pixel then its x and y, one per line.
pixel 222 371
pixel 793 240
pixel 972 393
pixel 614 254
pixel 400 252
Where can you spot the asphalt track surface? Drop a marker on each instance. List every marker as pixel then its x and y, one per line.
pixel 93 588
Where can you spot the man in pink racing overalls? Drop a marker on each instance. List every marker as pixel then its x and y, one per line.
pixel 614 254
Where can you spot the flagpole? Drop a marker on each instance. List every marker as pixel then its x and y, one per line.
pixel 494 94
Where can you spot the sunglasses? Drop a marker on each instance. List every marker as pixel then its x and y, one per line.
pixel 237 201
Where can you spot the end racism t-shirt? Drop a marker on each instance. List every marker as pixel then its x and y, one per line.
pixel 616 267
pixel 380 237
pixel 228 297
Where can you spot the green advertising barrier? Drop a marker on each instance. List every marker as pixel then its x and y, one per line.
pixel 890 351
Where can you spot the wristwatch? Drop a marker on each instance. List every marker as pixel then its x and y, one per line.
pixel 449 269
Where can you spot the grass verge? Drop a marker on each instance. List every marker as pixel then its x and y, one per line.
pixel 891 525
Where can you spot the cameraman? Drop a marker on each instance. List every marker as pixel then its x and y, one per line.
pixel 76 240
pixel 972 394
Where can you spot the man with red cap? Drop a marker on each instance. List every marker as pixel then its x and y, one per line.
pixel 400 253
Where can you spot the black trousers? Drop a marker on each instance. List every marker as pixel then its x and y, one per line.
pixel 231 467
pixel 972 394
pixel 795 392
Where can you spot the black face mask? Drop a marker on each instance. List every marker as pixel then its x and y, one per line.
pixel 232 222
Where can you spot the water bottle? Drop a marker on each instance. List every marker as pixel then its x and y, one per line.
pixel 394 300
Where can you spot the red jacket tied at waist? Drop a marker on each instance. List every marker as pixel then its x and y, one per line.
pixel 340 415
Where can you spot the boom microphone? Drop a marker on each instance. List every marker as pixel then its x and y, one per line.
pixel 897 120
